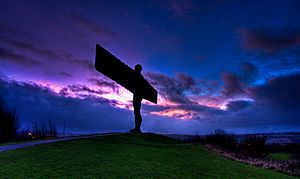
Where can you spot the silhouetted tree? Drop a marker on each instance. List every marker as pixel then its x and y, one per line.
pixel 44 129
pixel 52 131
pixel 254 145
pixel 222 139
pixel 9 122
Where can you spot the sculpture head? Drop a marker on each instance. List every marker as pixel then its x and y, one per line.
pixel 138 68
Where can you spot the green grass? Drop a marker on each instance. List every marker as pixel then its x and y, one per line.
pixel 280 156
pixel 124 156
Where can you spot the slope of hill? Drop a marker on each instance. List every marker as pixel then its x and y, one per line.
pixel 122 156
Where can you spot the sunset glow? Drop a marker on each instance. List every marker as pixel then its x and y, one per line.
pixel 231 65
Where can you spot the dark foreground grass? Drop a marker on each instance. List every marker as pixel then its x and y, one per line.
pixel 124 156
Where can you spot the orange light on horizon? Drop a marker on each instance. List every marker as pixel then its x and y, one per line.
pixel 176 113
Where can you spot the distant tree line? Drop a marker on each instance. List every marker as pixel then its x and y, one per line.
pixel 10 125
pixel 44 129
pixel 9 122
pixel 253 145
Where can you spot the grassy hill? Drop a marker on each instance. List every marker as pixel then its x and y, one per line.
pixel 122 156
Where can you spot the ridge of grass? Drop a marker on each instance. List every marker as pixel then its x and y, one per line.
pixel 124 156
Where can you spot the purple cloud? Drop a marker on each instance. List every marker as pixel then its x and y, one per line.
pixel 235 84
pixel 275 107
pixel 35 102
pixel 51 54
pixel 102 82
pixel 238 105
pixel 79 90
pixel 60 73
pixel 269 41
pixel 29 47
pixel 282 92
pixel 65 74
pixel 11 56
pixel 232 84
pixel 95 114
pixel 173 88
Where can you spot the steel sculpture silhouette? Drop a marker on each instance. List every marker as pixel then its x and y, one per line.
pixel 132 80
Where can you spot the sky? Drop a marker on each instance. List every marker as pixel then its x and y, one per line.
pixel 216 64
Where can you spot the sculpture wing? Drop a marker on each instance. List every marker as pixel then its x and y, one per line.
pixel 115 69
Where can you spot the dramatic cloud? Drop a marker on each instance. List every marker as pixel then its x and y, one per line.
pixel 182 98
pixel 269 41
pixel 235 84
pixel 282 92
pixel 167 87
pixel 238 105
pixel 80 91
pixel 29 47
pixel 65 74
pixel 34 103
pixel 173 88
pixel 232 84
pixel 66 86
pixel 275 107
pixel 70 58
pixel 51 54
pixel 89 113
pixel 11 56
pixel 60 73
pixel 249 72
pixel 188 83
pixel 105 83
